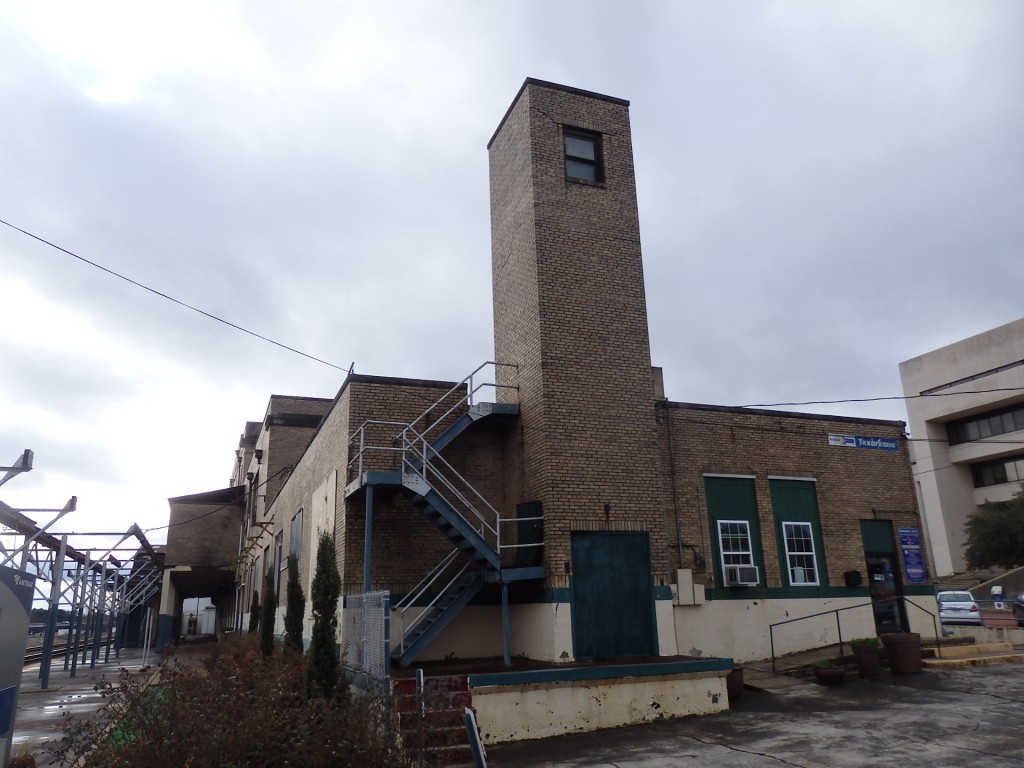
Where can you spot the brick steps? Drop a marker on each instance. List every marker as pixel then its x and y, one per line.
pixel 439 733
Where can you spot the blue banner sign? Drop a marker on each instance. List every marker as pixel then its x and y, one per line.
pixel 859 441
pixel 913 559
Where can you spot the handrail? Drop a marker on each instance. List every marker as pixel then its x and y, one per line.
pixel 468 397
pixel 837 611
pixel 403 632
pixel 428 460
pixel 426 581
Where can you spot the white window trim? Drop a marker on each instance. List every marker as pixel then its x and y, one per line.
pixel 788 477
pixel 721 547
pixel 726 474
pixel 813 553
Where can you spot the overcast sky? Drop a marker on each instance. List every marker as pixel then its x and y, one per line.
pixel 825 190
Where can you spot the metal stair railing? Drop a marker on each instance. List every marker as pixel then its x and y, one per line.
pixel 421 460
pixel 422 588
pixel 361 446
pixel 471 388
pixel 839 631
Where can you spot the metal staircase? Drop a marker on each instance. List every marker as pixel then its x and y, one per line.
pixel 450 503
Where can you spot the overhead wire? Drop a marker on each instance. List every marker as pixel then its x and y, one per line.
pixel 349 369
pixel 179 302
pixel 236 500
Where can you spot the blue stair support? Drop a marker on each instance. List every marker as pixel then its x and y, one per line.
pixel 438 616
pixel 484 561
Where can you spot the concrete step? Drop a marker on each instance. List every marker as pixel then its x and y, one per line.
pixel 978 660
pixel 968 649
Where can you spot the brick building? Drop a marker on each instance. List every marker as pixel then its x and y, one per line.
pixel 566 509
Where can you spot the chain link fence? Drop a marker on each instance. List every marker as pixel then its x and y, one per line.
pixel 367 638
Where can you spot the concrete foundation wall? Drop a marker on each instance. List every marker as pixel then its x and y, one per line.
pixel 739 629
pixel 539 710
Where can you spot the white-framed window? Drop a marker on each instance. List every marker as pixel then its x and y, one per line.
pixel 295 536
pixel 734 542
pixel 800 561
pixel 279 561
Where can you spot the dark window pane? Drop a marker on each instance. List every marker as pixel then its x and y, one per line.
pixel 576 169
pixel 576 146
pixel 1007 425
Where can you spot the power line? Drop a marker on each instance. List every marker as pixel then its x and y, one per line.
pixel 881 399
pixel 351 368
pixel 179 302
pixel 236 500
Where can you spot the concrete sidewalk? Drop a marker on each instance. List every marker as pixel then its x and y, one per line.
pixel 960 717
pixel 40 712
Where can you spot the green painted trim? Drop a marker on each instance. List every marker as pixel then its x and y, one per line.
pixel 807 593
pixel 662 593
pixel 570 674
pixel 784 593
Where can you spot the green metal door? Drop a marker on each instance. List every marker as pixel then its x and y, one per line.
pixel 612 596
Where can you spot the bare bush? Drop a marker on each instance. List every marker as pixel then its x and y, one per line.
pixel 238 710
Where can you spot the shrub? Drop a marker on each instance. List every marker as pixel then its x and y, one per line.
pixel 296 609
pixel 827 663
pixel 322 672
pixel 254 612
pixel 239 709
pixel 268 614
pixel 866 642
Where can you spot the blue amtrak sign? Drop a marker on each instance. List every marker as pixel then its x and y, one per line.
pixel 859 441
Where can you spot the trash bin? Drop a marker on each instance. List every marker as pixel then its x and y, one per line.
pixel 903 650
pixel 998 598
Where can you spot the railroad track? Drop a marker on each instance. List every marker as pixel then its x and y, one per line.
pixel 34 655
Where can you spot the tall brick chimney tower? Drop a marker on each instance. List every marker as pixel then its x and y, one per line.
pixel 570 311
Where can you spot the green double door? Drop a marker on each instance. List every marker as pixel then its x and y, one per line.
pixel 612 596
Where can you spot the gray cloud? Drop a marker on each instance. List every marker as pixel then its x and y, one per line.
pixel 824 191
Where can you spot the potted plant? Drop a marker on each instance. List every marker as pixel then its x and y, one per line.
pixel 867 656
pixel 829 671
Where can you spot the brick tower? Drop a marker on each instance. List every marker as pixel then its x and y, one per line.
pixel 570 312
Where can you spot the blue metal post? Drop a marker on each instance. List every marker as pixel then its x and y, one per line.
pixel 368 540
pixel 56 584
pixel 505 631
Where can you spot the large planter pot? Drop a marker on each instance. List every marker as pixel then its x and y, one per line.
pixel 829 675
pixel 868 660
pixel 903 649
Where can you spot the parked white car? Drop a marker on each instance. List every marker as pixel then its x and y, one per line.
pixel 958 607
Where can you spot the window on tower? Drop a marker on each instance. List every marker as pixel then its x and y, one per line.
pixel 583 156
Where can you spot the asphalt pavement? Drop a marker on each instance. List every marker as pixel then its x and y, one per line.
pixel 962 717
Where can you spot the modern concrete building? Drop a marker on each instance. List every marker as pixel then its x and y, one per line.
pixel 965 407
pixel 567 510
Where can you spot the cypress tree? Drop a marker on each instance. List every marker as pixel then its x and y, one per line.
pixel 254 612
pixel 296 609
pixel 322 666
pixel 267 618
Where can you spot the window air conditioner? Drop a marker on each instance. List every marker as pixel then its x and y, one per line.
pixel 741 576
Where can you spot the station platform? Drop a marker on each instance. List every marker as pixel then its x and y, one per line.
pixel 40 712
